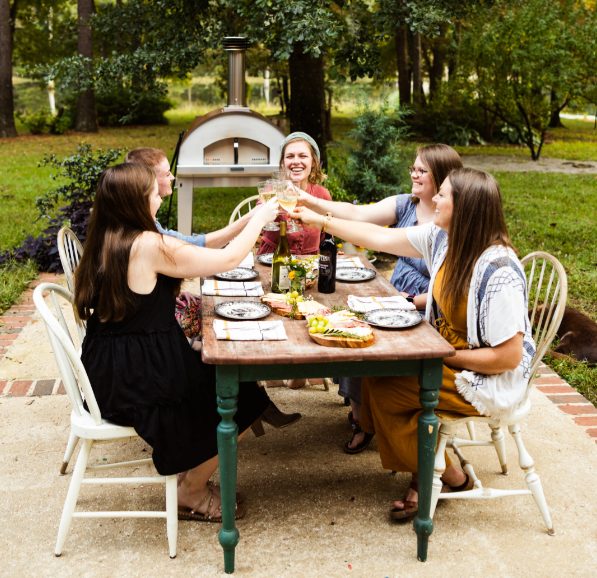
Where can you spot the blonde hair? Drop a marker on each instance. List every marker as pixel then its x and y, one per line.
pixel 316 175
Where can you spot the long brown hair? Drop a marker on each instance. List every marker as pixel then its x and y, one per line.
pixel 439 159
pixel 477 223
pixel 120 214
pixel 316 175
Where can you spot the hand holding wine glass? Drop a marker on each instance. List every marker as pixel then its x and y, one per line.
pixel 268 211
pixel 288 195
pixel 267 191
pixel 308 218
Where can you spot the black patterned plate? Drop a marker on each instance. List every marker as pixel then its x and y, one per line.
pixel 354 274
pixel 393 318
pixel 243 310
pixel 238 274
pixel 267 258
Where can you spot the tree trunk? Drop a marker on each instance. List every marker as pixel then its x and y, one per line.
pixel 436 71
pixel 307 113
pixel 86 121
pixel 329 137
pixel 417 71
pixel 555 121
pixel 454 59
pixel 285 92
pixel 7 121
pixel 403 71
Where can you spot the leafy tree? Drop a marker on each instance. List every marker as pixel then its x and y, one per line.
pixel 376 166
pixel 527 60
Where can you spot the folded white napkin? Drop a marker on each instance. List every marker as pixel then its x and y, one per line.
pixel 365 304
pixel 249 330
pixel 232 288
pixel 349 262
pixel 248 261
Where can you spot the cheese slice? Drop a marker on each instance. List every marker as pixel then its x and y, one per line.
pixel 309 307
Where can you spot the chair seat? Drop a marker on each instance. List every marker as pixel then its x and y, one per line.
pixel 85 427
pixel 453 418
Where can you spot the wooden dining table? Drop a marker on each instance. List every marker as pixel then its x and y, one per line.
pixel 418 350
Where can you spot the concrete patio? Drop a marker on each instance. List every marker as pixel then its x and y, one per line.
pixel 312 510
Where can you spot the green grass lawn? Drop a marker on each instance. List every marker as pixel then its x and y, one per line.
pixel 549 212
pixel 576 142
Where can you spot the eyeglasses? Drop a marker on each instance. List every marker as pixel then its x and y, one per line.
pixel 417 170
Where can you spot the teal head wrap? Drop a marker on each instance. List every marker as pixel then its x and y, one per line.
pixel 305 137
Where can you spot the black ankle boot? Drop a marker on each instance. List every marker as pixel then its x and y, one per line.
pixel 274 417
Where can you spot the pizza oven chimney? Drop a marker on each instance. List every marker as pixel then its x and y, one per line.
pixel 236 47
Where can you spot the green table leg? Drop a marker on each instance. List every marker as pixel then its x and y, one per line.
pixel 430 381
pixel 227 389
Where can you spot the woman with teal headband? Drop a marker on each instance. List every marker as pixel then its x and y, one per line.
pixel 299 158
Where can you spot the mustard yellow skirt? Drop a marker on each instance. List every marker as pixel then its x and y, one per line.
pixel 391 408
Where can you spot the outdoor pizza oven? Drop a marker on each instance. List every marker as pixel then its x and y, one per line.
pixel 229 147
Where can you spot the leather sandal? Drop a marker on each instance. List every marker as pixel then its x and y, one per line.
pixel 185 513
pixel 356 429
pixel 239 497
pixel 410 510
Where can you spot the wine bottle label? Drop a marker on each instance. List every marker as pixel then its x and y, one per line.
pixel 284 279
pixel 325 265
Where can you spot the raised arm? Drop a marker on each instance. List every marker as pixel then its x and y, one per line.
pixel 394 241
pixel 382 213
pixel 152 253
pixel 218 239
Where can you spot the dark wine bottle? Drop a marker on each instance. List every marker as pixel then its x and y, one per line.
pixel 280 280
pixel 327 265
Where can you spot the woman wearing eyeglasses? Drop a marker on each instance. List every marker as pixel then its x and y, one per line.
pixel 411 276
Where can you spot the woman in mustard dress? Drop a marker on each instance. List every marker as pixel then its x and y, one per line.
pixel 479 304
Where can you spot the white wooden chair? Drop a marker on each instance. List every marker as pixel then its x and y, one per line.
pixel 246 205
pixel 89 426
pixel 547 285
pixel 70 251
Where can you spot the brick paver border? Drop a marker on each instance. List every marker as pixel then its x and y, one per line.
pixel 573 404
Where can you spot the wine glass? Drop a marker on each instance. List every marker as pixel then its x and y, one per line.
pixel 288 196
pixel 267 191
pixel 278 175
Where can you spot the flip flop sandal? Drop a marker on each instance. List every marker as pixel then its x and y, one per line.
pixel 411 509
pixel 356 429
pixel 185 513
pixel 240 499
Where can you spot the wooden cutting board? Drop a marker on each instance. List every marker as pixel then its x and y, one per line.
pixel 331 341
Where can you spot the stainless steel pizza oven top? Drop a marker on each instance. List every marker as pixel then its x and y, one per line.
pixel 229 147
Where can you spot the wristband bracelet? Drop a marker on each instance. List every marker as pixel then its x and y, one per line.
pixel 411 298
pixel 325 224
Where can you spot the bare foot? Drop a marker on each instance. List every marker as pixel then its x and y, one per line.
pixel 356 440
pixel 190 497
pixel 180 477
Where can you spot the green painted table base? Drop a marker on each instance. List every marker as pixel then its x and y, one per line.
pixel 228 378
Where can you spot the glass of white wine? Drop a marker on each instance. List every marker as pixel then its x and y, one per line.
pixel 288 195
pixel 279 175
pixel 267 191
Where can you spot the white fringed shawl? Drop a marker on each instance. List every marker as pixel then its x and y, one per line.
pixel 497 310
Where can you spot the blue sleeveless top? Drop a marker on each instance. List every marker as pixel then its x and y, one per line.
pixel 410 275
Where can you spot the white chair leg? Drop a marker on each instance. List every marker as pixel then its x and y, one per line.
pixel 70 448
pixel 439 467
pixel 471 430
pixel 72 495
pixel 497 436
pixel 172 514
pixel 532 478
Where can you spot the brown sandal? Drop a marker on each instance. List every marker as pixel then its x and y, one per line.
pixel 410 510
pixel 185 513
pixel 240 499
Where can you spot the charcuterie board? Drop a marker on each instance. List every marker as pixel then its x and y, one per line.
pixel 331 341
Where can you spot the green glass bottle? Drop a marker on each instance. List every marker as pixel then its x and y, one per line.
pixel 280 280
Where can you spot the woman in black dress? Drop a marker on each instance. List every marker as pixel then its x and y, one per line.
pixel 141 368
